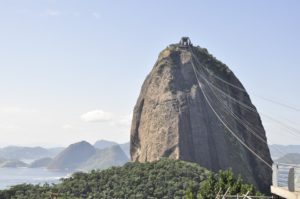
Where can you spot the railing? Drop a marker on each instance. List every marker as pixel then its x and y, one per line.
pixel 243 196
pixel 286 176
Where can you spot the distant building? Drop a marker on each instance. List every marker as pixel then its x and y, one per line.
pixel 185 42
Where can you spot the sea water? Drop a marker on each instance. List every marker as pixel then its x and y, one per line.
pixel 14 176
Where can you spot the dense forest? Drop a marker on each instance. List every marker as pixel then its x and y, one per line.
pixel 161 179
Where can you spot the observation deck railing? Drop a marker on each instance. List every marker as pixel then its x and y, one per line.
pixel 286 176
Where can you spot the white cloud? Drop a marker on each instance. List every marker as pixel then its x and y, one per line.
pixel 124 120
pixel 100 116
pixel 96 15
pixel 52 13
pixel 97 116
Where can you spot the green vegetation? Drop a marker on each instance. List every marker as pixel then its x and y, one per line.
pixel 162 179
pixel 220 182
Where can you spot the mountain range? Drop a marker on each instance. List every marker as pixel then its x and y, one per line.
pixel 278 150
pixel 78 156
pixel 290 158
pixel 102 144
pixel 43 162
pixel 107 153
pixel 105 158
pixel 31 153
pixel 72 156
pixel 85 157
pixel 12 163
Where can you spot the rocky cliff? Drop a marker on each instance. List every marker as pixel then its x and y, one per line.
pixel 178 117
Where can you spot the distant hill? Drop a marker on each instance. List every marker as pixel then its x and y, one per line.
pixel 102 144
pixel 290 158
pixel 72 156
pixel 126 148
pixel 16 152
pixel 52 152
pixel 105 158
pixel 81 155
pixel 13 164
pixel 19 152
pixel 43 162
pixel 278 151
pixel 2 161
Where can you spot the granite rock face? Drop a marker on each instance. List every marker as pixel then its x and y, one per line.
pixel 172 118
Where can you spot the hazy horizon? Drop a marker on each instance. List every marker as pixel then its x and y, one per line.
pixel 58 146
pixel 72 71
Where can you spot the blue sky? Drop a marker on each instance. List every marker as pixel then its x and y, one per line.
pixel 72 70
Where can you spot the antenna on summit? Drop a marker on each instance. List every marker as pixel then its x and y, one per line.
pixel 185 42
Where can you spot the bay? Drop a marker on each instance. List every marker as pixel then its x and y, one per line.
pixel 14 176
